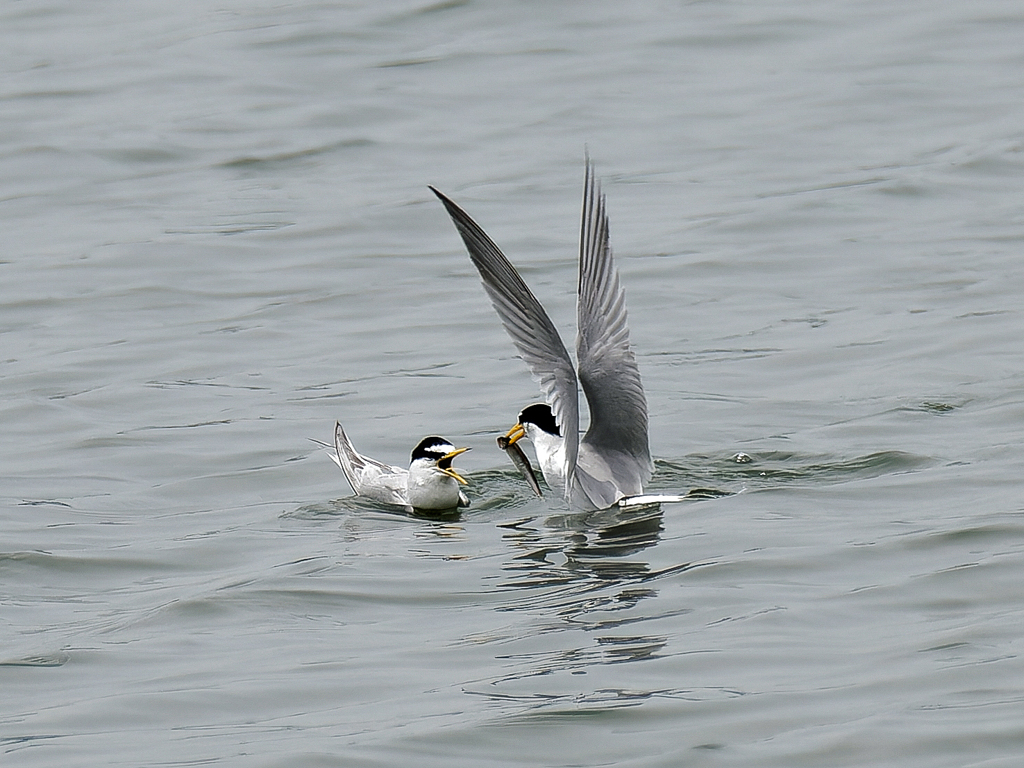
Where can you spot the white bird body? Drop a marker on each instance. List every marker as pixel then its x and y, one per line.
pixel 550 454
pixel 429 483
pixel 612 460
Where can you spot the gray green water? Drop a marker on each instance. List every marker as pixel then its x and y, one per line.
pixel 219 240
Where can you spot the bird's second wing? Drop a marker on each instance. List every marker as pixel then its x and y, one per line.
pixel 528 325
pixel 607 366
pixel 368 477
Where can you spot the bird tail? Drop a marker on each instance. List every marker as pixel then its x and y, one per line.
pixel 345 456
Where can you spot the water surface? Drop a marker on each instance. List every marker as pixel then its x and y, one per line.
pixel 220 240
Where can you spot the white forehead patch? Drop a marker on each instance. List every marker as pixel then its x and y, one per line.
pixel 441 449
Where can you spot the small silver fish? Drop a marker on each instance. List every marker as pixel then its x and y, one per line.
pixel 521 461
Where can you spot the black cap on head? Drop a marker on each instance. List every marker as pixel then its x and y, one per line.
pixel 541 416
pixel 432 447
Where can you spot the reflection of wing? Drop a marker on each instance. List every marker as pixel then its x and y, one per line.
pixel 607 366
pixel 529 326
pixel 369 477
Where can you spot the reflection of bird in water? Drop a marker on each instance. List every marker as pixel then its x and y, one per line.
pixel 613 460
pixel 589 566
pixel 430 482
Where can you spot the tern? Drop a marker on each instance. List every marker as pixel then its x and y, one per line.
pixel 430 482
pixel 613 460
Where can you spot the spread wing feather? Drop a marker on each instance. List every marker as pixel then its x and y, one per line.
pixel 608 370
pixel 529 326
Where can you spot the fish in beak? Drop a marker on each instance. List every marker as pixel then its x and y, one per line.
pixel 514 435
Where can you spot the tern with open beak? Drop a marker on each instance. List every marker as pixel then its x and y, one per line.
pixel 430 482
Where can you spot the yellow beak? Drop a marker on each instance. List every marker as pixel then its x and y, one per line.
pixel 450 471
pixel 514 435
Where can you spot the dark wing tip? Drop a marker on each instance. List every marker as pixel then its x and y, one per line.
pixel 442 197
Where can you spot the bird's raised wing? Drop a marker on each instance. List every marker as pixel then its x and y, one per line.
pixel 607 366
pixel 368 477
pixel 529 326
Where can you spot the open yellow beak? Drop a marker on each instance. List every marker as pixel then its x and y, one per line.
pixel 514 435
pixel 450 471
